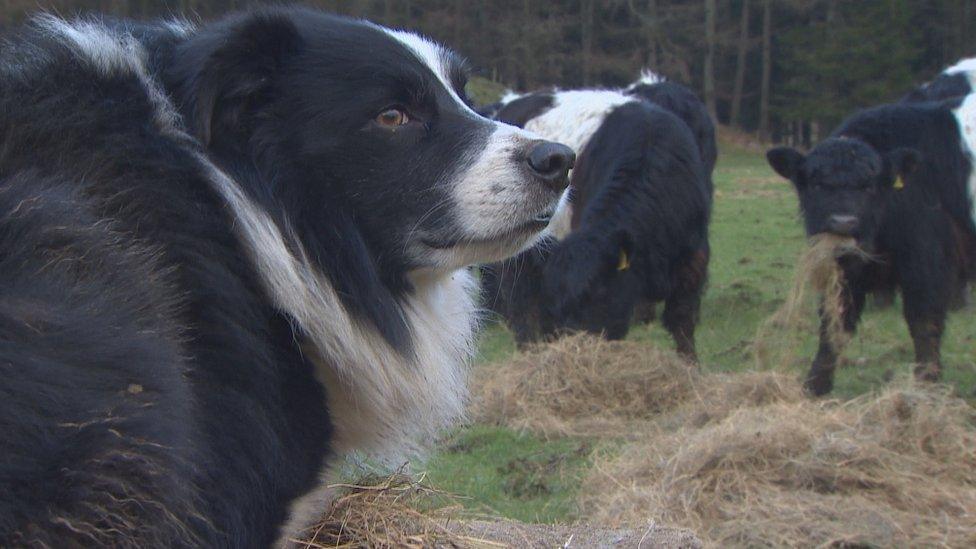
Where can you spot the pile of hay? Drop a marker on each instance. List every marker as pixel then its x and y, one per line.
pixel 747 459
pixel 817 275
pixel 895 469
pixel 396 511
pixel 581 385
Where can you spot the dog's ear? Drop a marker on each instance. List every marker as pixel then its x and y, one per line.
pixel 238 76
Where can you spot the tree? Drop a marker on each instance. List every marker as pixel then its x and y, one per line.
pixel 767 69
pixel 709 74
pixel 740 64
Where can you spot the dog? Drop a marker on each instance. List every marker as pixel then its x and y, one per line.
pixel 231 255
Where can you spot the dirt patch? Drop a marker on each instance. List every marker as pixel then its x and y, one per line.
pixel 579 536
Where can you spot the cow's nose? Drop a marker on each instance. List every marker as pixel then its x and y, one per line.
pixel 845 225
pixel 551 162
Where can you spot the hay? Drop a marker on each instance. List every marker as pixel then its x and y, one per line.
pixel 395 511
pixel 895 469
pixel 817 270
pixel 582 385
pixel 746 459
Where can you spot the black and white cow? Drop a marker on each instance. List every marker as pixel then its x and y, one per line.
pixel 638 232
pixel 955 81
pixel 229 256
pixel 898 178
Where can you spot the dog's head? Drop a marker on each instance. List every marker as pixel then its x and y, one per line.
pixel 367 132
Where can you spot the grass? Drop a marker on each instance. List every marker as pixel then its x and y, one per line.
pixel 756 237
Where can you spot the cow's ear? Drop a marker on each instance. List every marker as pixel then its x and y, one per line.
pixel 238 76
pixel 902 163
pixel 786 161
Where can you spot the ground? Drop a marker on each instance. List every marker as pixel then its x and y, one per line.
pixel 756 237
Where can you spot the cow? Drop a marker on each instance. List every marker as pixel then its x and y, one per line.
pixel 636 232
pixel 899 179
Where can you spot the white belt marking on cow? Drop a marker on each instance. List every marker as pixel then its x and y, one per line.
pixel 576 116
pixel 966 119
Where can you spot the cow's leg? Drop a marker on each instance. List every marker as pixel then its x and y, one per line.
pixel 644 311
pixel 820 379
pixel 927 282
pixel 926 323
pixel 681 309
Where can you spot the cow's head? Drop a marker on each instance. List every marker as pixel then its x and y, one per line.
pixel 842 184
pixel 589 283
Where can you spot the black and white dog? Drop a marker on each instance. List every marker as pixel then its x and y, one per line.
pixel 638 229
pixel 229 255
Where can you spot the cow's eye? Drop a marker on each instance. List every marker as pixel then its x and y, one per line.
pixel 391 118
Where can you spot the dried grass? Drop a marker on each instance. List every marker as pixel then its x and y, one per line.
pixel 582 385
pixel 395 511
pixel 895 469
pixel 817 274
pixel 746 459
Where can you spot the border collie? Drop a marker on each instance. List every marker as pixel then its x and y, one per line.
pixel 230 255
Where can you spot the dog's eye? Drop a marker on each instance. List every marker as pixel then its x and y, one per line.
pixel 392 118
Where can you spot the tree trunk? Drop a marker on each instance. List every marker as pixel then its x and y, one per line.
pixel 740 67
pixel 709 77
pixel 586 40
pixel 767 62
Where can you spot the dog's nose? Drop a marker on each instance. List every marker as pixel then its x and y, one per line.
pixel 845 225
pixel 551 163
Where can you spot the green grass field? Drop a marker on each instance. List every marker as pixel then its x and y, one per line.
pixel 756 237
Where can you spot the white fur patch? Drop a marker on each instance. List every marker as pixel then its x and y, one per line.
pixel 432 55
pixel 576 115
pixel 966 119
pixel 649 77
pixel 496 194
pixel 509 96
pixel 561 224
pixel 112 52
pixel 963 65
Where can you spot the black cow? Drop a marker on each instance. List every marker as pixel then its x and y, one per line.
pixel 639 223
pixel 899 179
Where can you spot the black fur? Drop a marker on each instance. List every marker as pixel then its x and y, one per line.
pixel 519 111
pixel 921 236
pixel 943 86
pixel 683 102
pixel 121 372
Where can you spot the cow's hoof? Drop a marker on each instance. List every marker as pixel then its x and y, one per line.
pixel 818 385
pixel 928 372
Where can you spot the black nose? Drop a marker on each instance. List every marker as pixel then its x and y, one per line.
pixel 551 163
pixel 845 225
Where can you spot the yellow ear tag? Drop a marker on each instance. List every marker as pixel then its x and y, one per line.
pixel 624 263
pixel 899 183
